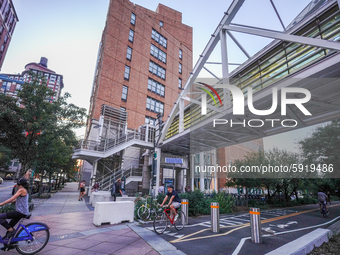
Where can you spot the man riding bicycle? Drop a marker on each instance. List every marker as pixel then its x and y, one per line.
pixel 322 200
pixel 175 200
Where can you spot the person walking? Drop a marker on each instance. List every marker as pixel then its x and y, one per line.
pixel 82 191
pixel 118 190
pixel 161 188
pixel 95 186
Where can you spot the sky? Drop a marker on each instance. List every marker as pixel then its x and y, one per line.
pixel 68 34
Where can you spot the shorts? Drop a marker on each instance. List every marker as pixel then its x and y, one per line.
pixel 82 189
pixel 176 204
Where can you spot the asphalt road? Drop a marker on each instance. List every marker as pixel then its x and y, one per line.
pixel 6 189
pixel 279 227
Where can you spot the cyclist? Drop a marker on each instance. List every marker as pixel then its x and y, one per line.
pixel 322 200
pixel 21 211
pixel 175 200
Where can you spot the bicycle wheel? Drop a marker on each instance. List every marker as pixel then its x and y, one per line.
pixel 143 213
pixel 40 234
pixel 180 222
pixel 160 222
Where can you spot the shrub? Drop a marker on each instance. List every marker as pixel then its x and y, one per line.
pixel 7 208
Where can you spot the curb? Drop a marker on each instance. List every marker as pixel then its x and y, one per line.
pixel 155 241
pixel 304 244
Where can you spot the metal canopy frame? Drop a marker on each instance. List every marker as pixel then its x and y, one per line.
pixel 224 29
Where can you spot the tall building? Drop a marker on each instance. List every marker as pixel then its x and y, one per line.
pixel 143 60
pixel 8 20
pixel 10 84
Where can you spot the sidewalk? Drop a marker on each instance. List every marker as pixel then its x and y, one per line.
pixel 72 230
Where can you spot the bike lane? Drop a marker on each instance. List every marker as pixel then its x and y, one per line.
pixel 279 226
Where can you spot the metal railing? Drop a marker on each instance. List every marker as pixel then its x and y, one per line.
pixel 145 135
pixel 106 182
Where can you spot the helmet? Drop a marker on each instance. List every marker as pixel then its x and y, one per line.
pixel 22 182
pixel 171 186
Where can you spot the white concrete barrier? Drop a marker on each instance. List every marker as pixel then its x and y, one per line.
pixel 113 212
pixel 125 198
pixel 100 196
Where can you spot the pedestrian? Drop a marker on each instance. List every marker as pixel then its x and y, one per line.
pixel 188 189
pixel 161 188
pixel 82 191
pixel 118 190
pixel 96 186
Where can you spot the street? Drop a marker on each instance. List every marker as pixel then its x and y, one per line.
pixel 279 226
pixel 6 189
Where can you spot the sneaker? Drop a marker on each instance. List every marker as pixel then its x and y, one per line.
pixel 176 217
pixel 9 234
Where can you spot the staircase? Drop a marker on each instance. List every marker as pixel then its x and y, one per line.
pixel 94 150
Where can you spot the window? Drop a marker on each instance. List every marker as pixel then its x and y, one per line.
pixel 127 73
pixel 180 83
pixel 159 38
pixel 180 54
pixel 133 19
pixel 150 120
pixel 154 105
pixel 131 35
pixel 180 68
pixel 124 93
pixel 128 53
pixel 156 87
pixel 161 23
pixel 158 53
pixel 157 70
pixel 123 108
pixel 52 79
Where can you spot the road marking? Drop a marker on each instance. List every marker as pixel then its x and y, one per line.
pixel 6 187
pixel 242 241
pixel 186 238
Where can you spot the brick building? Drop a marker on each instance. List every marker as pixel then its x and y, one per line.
pixel 143 60
pixel 10 87
pixel 8 20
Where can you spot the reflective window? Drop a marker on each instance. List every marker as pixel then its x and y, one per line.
pixel 127 73
pixel 159 38
pixel 133 19
pixel 131 35
pixel 157 70
pixel 124 93
pixel 158 53
pixel 128 53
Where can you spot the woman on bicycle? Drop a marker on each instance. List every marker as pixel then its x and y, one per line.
pixel 21 208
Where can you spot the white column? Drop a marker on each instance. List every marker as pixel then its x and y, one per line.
pixel 192 171
pixel 225 68
pixel 215 174
pixel 181 116
pixel 201 172
pixel 158 169
pixel 101 126
pixel 93 173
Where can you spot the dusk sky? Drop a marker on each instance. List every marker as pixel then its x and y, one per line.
pixel 68 34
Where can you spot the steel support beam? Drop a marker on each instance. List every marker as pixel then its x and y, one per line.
pixel 286 37
pixel 211 73
pixel 181 116
pixel 225 68
pixel 238 44
pixel 199 103
pixel 278 15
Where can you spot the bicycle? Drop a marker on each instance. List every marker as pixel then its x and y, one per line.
pixel 28 239
pixel 323 211
pixel 146 210
pixel 162 219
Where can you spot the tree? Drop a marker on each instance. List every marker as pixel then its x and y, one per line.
pixel 40 131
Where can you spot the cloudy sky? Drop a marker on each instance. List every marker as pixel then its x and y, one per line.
pixel 68 34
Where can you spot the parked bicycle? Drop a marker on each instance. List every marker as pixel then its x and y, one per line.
pixel 163 220
pixel 146 210
pixel 28 239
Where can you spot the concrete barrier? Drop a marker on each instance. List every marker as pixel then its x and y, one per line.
pixel 100 196
pixel 113 212
pixel 125 198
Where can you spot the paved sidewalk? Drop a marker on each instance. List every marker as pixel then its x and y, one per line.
pixel 64 201
pixel 72 230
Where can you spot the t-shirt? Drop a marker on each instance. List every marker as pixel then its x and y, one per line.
pixel 174 193
pixel 322 196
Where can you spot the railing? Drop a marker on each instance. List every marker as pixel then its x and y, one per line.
pixel 106 182
pixel 146 135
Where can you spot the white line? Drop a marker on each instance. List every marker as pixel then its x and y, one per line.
pixel 239 246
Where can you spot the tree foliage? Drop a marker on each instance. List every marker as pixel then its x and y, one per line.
pixel 38 130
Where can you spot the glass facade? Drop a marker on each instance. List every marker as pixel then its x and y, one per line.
pixel 277 63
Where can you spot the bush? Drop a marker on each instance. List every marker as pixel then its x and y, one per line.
pixel 7 208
